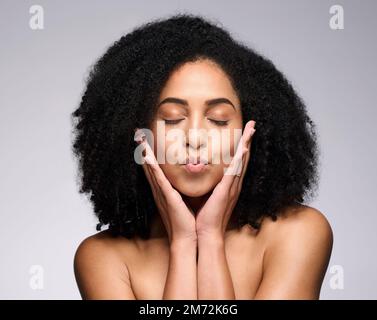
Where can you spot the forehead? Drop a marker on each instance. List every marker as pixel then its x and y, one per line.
pixel 200 79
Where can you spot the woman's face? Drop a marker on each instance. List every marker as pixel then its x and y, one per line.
pixel 199 111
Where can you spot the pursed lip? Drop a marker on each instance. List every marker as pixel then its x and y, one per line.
pixel 195 168
pixel 195 164
pixel 195 161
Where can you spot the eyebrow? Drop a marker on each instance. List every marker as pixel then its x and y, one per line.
pixel 210 103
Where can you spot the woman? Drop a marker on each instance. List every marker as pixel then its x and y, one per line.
pixel 197 228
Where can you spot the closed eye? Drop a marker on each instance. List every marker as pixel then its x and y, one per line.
pixel 172 121
pixel 219 122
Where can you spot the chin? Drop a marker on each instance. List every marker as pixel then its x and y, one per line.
pixel 193 192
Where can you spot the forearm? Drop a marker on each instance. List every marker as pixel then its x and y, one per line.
pixel 214 279
pixel 181 280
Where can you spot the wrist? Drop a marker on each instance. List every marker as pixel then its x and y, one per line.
pixel 211 239
pixel 183 243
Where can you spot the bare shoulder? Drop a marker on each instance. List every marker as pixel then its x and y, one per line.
pixel 100 267
pixel 301 222
pixel 103 241
pixel 297 253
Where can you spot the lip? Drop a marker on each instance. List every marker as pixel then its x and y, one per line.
pixel 195 168
pixel 196 160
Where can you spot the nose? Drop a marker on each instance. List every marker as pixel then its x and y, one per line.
pixel 196 137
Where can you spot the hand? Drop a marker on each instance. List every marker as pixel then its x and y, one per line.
pixel 213 217
pixel 178 219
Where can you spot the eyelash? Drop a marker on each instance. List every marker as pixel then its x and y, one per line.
pixel 217 122
pixel 172 121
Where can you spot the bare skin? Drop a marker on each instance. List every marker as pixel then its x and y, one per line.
pixel 291 254
pixel 195 250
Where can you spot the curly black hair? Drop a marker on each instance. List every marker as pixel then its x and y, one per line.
pixel 122 90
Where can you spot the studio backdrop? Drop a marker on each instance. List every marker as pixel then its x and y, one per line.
pixel 327 49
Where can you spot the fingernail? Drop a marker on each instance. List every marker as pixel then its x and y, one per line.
pixel 250 124
pixel 139 135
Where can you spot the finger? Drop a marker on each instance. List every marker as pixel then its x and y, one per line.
pixel 235 167
pixel 237 184
pixel 149 175
pixel 158 195
pixel 247 156
pixel 152 181
pixel 139 138
pixel 241 170
pixel 242 167
pixel 248 133
pixel 157 172
pixel 147 161
pixel 150 171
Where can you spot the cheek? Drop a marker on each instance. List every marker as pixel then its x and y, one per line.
pixel 234 138
pixel 222 148
pixel 169 147
pixel 170 171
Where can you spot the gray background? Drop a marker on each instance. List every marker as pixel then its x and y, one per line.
pixel 42 77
